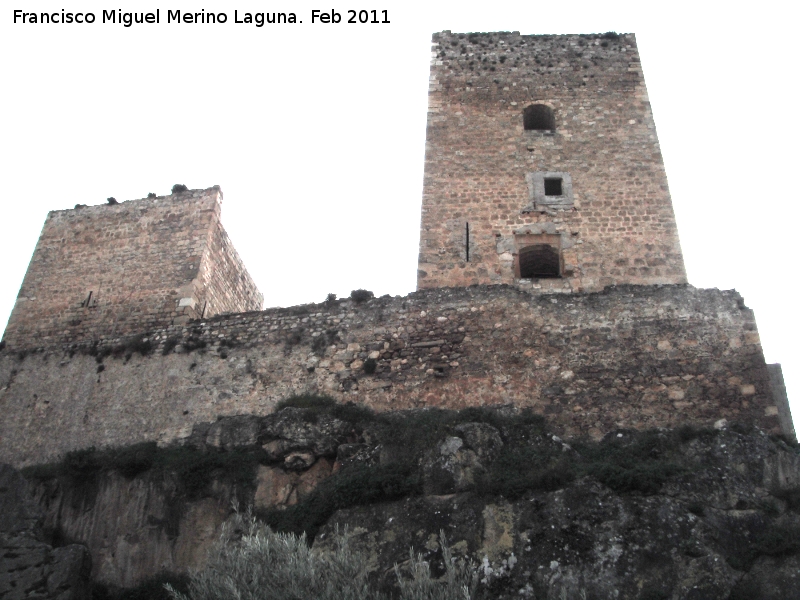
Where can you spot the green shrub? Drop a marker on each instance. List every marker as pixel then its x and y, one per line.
pixel 687 433
pixel 194 343
pixel 195 469
pixel 130 461
pixel 261 564
pixel 460 581
pixel 408 436
pixel 370 365
pixel 179 188
pixel 169 345
pixel 135 344
pixel 351 487
pixel 359 296
pixel 251 561
pixel 357 414
pixel 647 478
pixel 634 461
pixel 82 466
pixel 523 468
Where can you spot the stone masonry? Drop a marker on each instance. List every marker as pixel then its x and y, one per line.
pixel 543 175
pixel 115 269
pixel 627 357
pixel 609 218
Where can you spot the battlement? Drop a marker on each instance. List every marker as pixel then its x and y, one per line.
pixel 103 271
pixel 542 166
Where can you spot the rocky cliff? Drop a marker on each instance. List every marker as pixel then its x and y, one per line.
pixel 29 566
pixel 684 513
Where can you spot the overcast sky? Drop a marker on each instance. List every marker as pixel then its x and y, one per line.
pixel 316 133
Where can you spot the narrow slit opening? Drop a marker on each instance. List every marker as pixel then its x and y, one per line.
pixel 467 241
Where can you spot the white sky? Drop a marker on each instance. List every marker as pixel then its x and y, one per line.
pixel 316 134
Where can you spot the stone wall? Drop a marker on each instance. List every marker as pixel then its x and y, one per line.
pixel 227 286
pixel 613 224
pixel 103 271
pixel 629 356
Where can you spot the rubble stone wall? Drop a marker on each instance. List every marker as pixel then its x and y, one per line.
pixel 630 356
pixel 481 165
pixel 99 272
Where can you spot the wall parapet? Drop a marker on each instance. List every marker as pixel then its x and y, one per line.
pixel 630 356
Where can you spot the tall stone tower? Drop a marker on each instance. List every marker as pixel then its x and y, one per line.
pixel 542 166
pixel 100 272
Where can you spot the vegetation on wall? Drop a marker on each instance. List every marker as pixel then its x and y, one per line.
pixel 251 561
pixel 394 456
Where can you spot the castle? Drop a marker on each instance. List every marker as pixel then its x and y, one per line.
pixel 550 276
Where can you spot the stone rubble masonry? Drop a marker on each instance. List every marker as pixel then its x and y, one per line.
pixel 480 162
pixel 626 357
pixel 110 270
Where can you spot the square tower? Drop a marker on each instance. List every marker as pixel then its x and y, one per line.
pixel 542 166
pixel 101 272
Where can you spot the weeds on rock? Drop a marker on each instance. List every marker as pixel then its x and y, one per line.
pixel 150 589
pixel 352 487
pixel 251 561
pixel 193 469
pixel 460 581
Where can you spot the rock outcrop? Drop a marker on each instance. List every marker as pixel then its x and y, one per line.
pixel 30 567
pixel 691 513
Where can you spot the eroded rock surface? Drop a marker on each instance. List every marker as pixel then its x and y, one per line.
pixel 30 567
pixel 700 514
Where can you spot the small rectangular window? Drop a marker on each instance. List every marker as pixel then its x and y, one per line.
pixel 552 186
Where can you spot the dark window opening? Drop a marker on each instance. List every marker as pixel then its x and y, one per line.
pixel 539 262
pixel 538 117
pixel 552 186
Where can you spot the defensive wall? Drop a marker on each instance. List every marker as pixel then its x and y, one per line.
pixel 626 357
pixel 115 269
pixel 542 166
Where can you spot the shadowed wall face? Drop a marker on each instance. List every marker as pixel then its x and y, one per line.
pixel 105 271
pixel 543 136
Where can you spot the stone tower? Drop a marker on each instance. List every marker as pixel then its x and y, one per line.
pixel 542 166
pixel 101 272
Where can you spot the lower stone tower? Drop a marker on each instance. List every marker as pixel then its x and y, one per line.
pixel 100 272
pixel 542 166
